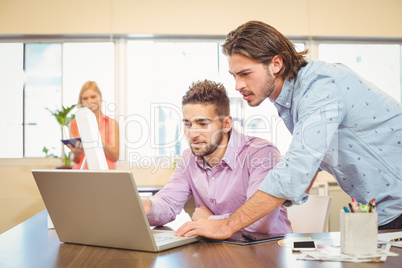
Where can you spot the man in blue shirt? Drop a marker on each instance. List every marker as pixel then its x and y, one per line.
pixel 340 123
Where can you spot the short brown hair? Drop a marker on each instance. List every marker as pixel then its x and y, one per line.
pixel 261 42
pixel 208 92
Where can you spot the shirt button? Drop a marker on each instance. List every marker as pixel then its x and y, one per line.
pixel 287 104
pixel 213 178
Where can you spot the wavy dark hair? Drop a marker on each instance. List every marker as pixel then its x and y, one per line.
pixel 261 42
pixel 208 92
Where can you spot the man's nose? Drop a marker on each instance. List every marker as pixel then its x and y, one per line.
pixel 194 134
pixel 239 84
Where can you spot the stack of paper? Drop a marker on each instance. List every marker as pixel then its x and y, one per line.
pixel 334 254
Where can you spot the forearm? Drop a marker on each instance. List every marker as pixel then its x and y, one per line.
pixel 160 212
pixel 77 157
pixel 312 182
pixel 169 202
pixel 259 205
pixel 112 147
pixel 256 207
pixel 111 152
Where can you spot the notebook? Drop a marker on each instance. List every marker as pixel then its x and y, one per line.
pixel 249 238
pixel 101 208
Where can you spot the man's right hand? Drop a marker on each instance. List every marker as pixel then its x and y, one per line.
pixel 259 205
pixel 147 204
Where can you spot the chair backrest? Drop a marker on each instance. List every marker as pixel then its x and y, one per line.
pixel 312 216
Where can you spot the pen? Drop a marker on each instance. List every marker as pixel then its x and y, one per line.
pixel 396 239
pixel 372 205
pixel 351 207
pixel 355 206
pixel 346 209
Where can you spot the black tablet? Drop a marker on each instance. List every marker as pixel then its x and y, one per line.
pixel 71 141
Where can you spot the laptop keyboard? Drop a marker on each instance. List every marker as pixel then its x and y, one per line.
pixel 161 238
pixel 164 237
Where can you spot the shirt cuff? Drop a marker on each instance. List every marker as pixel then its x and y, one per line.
pixel 153 215
pixel 219 217
pixel 289 203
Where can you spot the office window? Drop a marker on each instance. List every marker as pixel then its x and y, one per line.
pixel 30 82
pixel 11 92
pixel 159 73
pixel 31 77
pixel 89 61
pixel 378 63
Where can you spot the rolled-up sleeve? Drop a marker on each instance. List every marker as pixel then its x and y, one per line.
pixel 169 201
pixel 259 164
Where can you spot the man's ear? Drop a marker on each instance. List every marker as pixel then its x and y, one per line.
pixel 227 124
pixel 277 63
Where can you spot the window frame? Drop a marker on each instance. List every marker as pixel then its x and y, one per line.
pixel 120 55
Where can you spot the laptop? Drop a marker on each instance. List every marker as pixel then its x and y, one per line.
pixel 101 208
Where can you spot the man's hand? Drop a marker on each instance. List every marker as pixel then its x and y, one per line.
pixel 216 229
pixel 201 213
pixel 147 204
pixel 259 205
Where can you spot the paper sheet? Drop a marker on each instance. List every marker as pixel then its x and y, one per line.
pixel 334 254
pixel 386 237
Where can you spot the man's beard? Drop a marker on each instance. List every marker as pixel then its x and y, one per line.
pixel 269 87
pixel 210 148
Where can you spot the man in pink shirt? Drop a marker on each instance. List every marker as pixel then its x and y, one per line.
pixel 222 168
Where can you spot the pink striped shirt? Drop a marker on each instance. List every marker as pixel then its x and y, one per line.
pixel 223 188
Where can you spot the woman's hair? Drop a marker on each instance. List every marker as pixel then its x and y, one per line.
pixel 89 85
pixel 208 92
pixel 261 42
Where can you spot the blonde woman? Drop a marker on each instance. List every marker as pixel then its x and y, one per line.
pixel 90 96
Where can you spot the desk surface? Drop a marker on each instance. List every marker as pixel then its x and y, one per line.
pixel 31 244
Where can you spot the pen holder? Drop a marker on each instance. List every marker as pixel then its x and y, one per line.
pixel 359 233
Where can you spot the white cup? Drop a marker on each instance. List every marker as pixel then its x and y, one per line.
pixel 359 233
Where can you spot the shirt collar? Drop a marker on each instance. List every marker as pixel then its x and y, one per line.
pixel 231 151
pixel 285 97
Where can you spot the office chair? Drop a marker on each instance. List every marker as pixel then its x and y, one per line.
pixel 312 216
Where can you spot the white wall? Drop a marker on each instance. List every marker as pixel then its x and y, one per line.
pixel 357 18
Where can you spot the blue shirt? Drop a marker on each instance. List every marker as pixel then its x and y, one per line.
pixel 345 125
